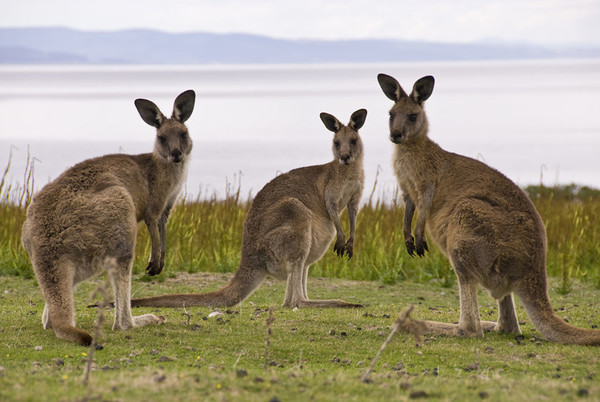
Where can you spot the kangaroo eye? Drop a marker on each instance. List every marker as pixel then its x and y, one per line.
pixel 162 140
pixel 353 141
pixel 412 117
pixel 336 143
pixel 183 134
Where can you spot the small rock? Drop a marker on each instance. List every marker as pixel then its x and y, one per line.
pixel 160 378
pixel 332 332
pixel 295 309
pixel 241 373
pixel 483 395
pixel 154 352
pixel 214 314
pixel 165 359
pixel 38 348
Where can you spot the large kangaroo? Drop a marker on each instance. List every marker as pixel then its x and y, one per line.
pixel 85 221
pixel 290 225
pixel 484 223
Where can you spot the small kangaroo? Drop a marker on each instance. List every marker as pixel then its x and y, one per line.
pixel 290 225
pixel 483 222
pixel 85 221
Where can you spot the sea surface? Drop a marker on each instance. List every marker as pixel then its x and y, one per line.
pixel 535 121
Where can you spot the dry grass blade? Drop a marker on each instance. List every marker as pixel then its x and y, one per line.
pixel 270 320
pixel 102 291
pixel 403 323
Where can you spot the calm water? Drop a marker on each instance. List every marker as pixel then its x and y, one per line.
pixel 527 119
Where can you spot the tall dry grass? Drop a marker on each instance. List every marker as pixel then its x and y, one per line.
pixel 206 235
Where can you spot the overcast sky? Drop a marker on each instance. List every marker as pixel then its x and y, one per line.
pixel 534 21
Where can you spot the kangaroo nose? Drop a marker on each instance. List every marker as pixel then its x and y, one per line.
pixel 176 155
pixel 395 136
pixel 345 159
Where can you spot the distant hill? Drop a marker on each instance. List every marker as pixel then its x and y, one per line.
pixel 142 46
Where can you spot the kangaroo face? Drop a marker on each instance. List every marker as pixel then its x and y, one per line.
pixel 407 117
pixel 347 146
pixel 173 142
pixel 407 120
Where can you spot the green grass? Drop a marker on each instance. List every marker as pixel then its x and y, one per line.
pixel 313 354
pixel 316 354
pixel 205 235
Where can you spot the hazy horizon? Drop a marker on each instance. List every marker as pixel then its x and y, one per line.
pixel 517 117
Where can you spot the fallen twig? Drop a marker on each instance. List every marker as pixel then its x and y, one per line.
pixel 404 323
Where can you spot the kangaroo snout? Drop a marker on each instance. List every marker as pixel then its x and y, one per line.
pixel 346 159
pixel 396 136
pixel 176 155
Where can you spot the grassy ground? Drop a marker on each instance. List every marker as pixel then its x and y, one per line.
pixel 313 354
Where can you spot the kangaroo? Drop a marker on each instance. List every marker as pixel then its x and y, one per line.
pixel 483 222
pixel 85 221
pixel 290 225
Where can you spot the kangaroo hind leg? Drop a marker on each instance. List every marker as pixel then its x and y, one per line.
pixel 119 272
pixel 507 319
pixel 56 282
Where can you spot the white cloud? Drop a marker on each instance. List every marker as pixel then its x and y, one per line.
pixel 538 21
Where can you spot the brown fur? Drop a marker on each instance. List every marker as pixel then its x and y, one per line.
pixel 85 221
pixel 484 223
pixel 291 224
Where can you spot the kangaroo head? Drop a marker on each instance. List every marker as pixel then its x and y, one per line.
pixel 347 145
pixel 173 141
pixel 407 116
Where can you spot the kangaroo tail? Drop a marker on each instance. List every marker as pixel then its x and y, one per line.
pixel 551 326
pixel 243 283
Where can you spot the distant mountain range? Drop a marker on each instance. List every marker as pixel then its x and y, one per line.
pixel 143 46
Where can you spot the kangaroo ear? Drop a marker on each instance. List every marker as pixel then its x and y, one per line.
pixel 358 119
pixel 184 105
pixel 422 89
pixel 390 87
pixel 330 122
pixel 150 113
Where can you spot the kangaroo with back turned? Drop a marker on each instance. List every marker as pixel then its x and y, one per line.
pixel 483 222
pixel 85 221
pixel 290 225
